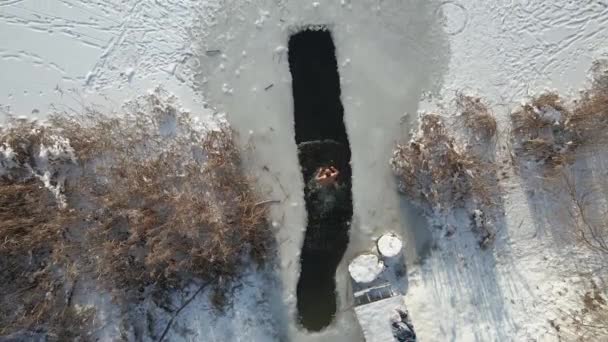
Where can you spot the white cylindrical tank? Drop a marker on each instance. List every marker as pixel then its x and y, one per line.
pixel 390 247
pixel 365 268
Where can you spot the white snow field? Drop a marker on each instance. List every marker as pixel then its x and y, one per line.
pixel 395 57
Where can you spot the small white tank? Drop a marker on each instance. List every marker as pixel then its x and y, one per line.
pixel 390 247
pixel 365 268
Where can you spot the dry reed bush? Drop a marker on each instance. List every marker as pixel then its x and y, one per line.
pixel 147 198
pixel 439 175
pixel 545 131
pixel 588 121
pixel 35 247
pixel 539 134
pixel 20 143
pixel 168 201
pixel 477 118
pixel 34 254
pixel 28 229
pixel 29 150
pixel 533 117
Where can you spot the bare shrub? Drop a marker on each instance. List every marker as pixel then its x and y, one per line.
pixel 439 175
pixel 586 126
pixel 540 135
pixel 530 120
pixel 554 136
pixel 589 220
pixel 477 118
pixel 545 131
pixel 588 121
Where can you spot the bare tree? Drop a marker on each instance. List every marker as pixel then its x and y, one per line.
pixel 591 227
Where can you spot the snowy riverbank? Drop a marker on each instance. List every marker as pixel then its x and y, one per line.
pixel 394 58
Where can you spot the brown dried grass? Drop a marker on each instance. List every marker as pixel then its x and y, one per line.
pixel 169 219
pixel 477 117
pixel 437 174
pixel 588 121
pixel 433 170
pixel 528 122
pixel 555 143
pixel 145 206
pixel 540 138
pixel 34 246
pixel 175 204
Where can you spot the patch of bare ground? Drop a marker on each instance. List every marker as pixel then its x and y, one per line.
pixel 588 321
pixel 592 320
pixel 145 199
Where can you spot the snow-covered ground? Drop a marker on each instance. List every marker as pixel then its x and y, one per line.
pixel 394 57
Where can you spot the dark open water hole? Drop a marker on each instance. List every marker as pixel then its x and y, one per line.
pixel 322 141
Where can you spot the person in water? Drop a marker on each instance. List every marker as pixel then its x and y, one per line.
pixel 327 194
pixel 326 176
pixel 324 191
pixel 326 171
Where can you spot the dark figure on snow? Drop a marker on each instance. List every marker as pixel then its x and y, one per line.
pixel 403 329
